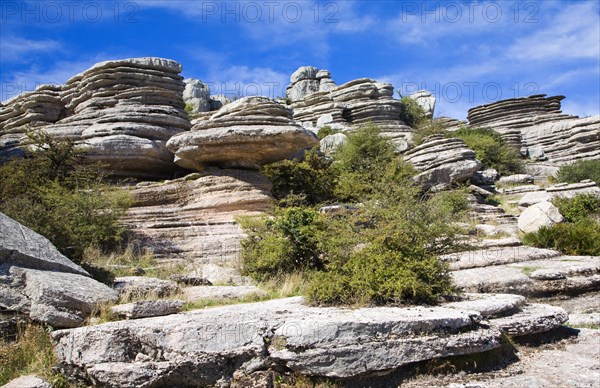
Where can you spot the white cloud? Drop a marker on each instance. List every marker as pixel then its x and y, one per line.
pixel 17 49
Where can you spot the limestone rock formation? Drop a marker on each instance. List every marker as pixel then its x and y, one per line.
pixel 196 95
pixel 37 280
pixel 191 220
pixel 122 112
pixel 545 131
pixel 329 144
pixel 247 133
pixel 216 346
pixel 29 110
pixel 443 161
pixel 560 190
pixel 542 214
pixel 346 106
pixel 426 101
pixel 148 308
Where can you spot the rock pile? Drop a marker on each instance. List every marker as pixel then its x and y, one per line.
pixel 543 131
pixel 122 112
pixel 318 102
pixel 443 161
pixel 247 133
pixel 28 110
pixel 221 345
pixel 37 280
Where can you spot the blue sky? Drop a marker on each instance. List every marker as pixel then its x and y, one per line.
pixel 466 53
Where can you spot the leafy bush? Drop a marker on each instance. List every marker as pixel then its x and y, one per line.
pixel 578 171
pixel 52 193
pixel 578 208
pixel 412 113
pixel 491 150
pixel 302 183
pixel 286 244
pixel 576 238
pixel 384 251
pixel 325 131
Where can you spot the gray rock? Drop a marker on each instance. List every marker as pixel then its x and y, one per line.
pixel 190 280
pixel 221 292
pixel 539 215
pixel 516 179
pixel 490 305
pixel 197 95
pixel 534 318
pixel 29 381
pixel 579 320
pixel 145 286
pixel 329 144
pixel 148 308
pixel 426 101
pixel 36 280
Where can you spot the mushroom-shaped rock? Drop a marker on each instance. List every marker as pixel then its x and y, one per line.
pixel 247 133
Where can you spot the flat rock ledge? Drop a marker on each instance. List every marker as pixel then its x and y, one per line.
pixel 215 347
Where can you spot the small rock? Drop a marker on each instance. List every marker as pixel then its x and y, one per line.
pixel 190 280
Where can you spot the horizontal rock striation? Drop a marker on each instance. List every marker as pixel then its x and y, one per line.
pixel 545 132
pixel 122 112
pixel 215 347
pixel 247 133
pixel 191 221
pixel 347 106
pixel 443 161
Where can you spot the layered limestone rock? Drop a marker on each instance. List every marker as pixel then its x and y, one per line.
pixel 443 161
pixel 216 346
pixel 545 132
pixel 191 220
pixel 37 280
pixel 29 110
pixel 318 102
pixel 122 112
pixel 559 190
pixel 247 133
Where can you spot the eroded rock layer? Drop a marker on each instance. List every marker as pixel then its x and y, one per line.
pixel 546 133
pixel 192 220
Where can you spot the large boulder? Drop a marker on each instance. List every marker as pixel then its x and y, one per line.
pixel 37 280
pixel 541 214
pixel 442 162
pixel 247 133
pixel 425 100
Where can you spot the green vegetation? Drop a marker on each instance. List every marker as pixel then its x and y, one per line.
pixel 383 251
pixel 53 193
pixel 325 131
pixel 412 114
pixel 491 150
pixel 578 171
pixel 31 353
pixel 579 235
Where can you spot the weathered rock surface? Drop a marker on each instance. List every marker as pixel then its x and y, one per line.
pixel 144 286
pixel 560 190
pixel 209 346
pixel 122 112
pixel 318 102
pixel 329 144
pixel 247 133
pixel 426 101
pixel 148 308
pixel 29 381
pixel 221 292
pixel 545 131
pixel 191 220
pixel 542 214
pixel 35 279
pixel 196 95
pixel 443 161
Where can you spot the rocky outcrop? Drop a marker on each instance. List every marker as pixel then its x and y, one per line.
pixel 546 133
pixel 247 133
pixel 122 112
pixel 560 190
pixel 191 220
pixel 346 106
pixel 217 346
pixel 425 100
pixel 542 214
pixel 196 95
pixel 443 161
pixel 148 308
pixel 29 381
pixel 37 280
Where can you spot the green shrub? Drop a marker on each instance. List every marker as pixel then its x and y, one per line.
pixel 452 202
pixel 325 131
pixel 412 113
pixel 286 244
pixel 491 150
pixel 578 171
pixel 578 208
pixel 54 194
pixel 576 238
pixel 302 183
